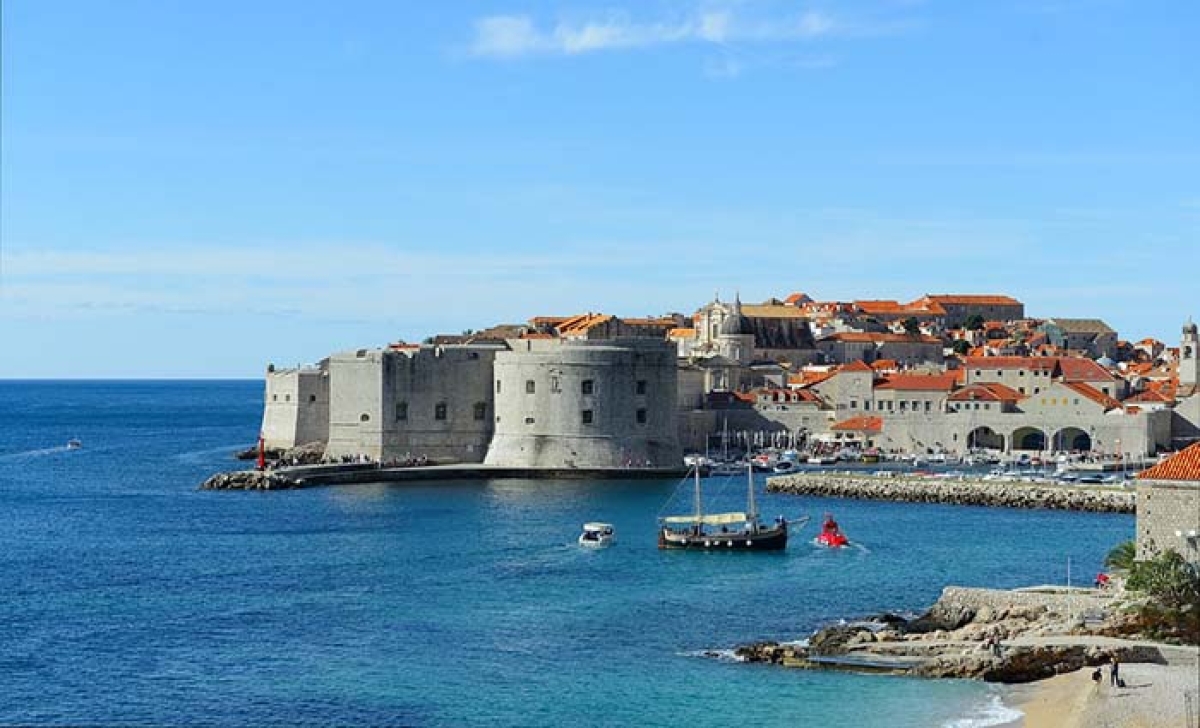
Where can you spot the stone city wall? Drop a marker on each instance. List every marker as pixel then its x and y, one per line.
pixel 1166 508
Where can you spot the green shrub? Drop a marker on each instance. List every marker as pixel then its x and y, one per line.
pixel 1173 588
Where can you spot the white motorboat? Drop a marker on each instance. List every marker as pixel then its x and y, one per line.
pixel 597 535
pixel 74 444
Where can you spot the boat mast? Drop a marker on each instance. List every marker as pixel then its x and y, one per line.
pixel 699 509
pixel 752 507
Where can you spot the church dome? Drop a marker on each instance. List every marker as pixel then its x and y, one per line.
pixel 1189 328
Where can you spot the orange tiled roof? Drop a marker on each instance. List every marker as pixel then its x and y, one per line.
pixel 986 392
pixel 1029 363
pixel 1082 369
pixel 1183 465
pixel 919 382
pixel 535 335
pixel 682 333
pixel 880 364
pixel 879 306
pixel 582 322
pixel 1093 394
pixel 973 300
pixel 1150 396
pixel 856 366
pixel 859 424
pixel 771 311
pixel 547 320
pixel 795 298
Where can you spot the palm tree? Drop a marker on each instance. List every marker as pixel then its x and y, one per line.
pixel 1122 556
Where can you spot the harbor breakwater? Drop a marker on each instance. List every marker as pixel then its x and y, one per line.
pixel 956 491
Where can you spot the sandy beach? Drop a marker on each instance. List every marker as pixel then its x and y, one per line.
pixel 1153 697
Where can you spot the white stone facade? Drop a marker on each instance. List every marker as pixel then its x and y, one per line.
pixel 296 407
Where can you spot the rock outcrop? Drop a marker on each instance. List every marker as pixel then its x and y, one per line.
pixel 249 480
pixel 968 633
pixel 975 492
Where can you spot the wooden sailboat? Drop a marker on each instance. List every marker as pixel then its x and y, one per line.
pixel 736 531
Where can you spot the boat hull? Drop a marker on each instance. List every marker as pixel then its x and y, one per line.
pixel 774 539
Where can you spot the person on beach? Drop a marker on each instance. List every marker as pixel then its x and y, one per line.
pixel 1096 679
pixel 1114 672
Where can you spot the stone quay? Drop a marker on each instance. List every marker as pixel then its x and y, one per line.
pixel 965 491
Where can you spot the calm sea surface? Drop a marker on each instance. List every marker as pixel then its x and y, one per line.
pixel 131 598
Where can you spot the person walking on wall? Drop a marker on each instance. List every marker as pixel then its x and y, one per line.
pixel 1114 672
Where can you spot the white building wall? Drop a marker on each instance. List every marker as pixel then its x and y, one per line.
pixel 296 407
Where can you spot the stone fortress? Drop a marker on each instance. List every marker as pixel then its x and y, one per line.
pixel 936 375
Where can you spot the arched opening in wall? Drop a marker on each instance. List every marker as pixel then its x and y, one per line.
pixel 364 417
pixel 1029 438
pixel 1072 439
pixel 984 438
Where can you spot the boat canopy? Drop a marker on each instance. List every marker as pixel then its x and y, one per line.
pixel 712 519
pixel 596 526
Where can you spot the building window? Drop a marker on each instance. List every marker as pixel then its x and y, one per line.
pixel 554 385
pixel 641 386
pixel 288 397
pixel 641 417
pixel 929 406
pixel 853 404
pixel 530 386
pixel 866 406
pixel 587 386
pixel 529 420
pixel 274 397
pixel 402 410
pixel 439 411
pixel 480 411
pixel 312 398
pixel 586 417
pixel 364 417
pixel 497 386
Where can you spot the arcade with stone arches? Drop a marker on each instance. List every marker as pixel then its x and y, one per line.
pixel 1029 438
pixel 1071 439
pixel 985 438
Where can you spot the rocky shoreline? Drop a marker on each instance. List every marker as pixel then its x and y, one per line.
pixel 990 635
pixel 975 492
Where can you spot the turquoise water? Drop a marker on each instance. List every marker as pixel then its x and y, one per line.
pixel 132 598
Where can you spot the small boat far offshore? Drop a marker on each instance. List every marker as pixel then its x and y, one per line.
pixel 74 444
pixel 700 531
pixel 831 535
pixel 597 535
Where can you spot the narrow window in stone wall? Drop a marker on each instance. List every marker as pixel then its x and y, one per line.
pixel 587 386
pixel 274 397
pixel 641 417
pixel 529 420
pixel 497 386
pixel 364 417
pixel 587 417
pixel 402 410
pixel 287 398
pixel 439 411
pixel 312 398
pixel 530 386
pixel 481 411
pixel 641 386
pixel 554 385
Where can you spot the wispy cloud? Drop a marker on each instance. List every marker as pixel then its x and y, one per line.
pixel 516 36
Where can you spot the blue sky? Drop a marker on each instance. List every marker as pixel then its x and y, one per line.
pixel 197 189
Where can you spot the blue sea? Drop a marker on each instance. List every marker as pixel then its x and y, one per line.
pixel 131 598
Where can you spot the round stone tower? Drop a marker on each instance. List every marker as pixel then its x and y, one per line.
pixel 586 404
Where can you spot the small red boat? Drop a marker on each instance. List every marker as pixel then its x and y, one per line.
pixel 830 535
